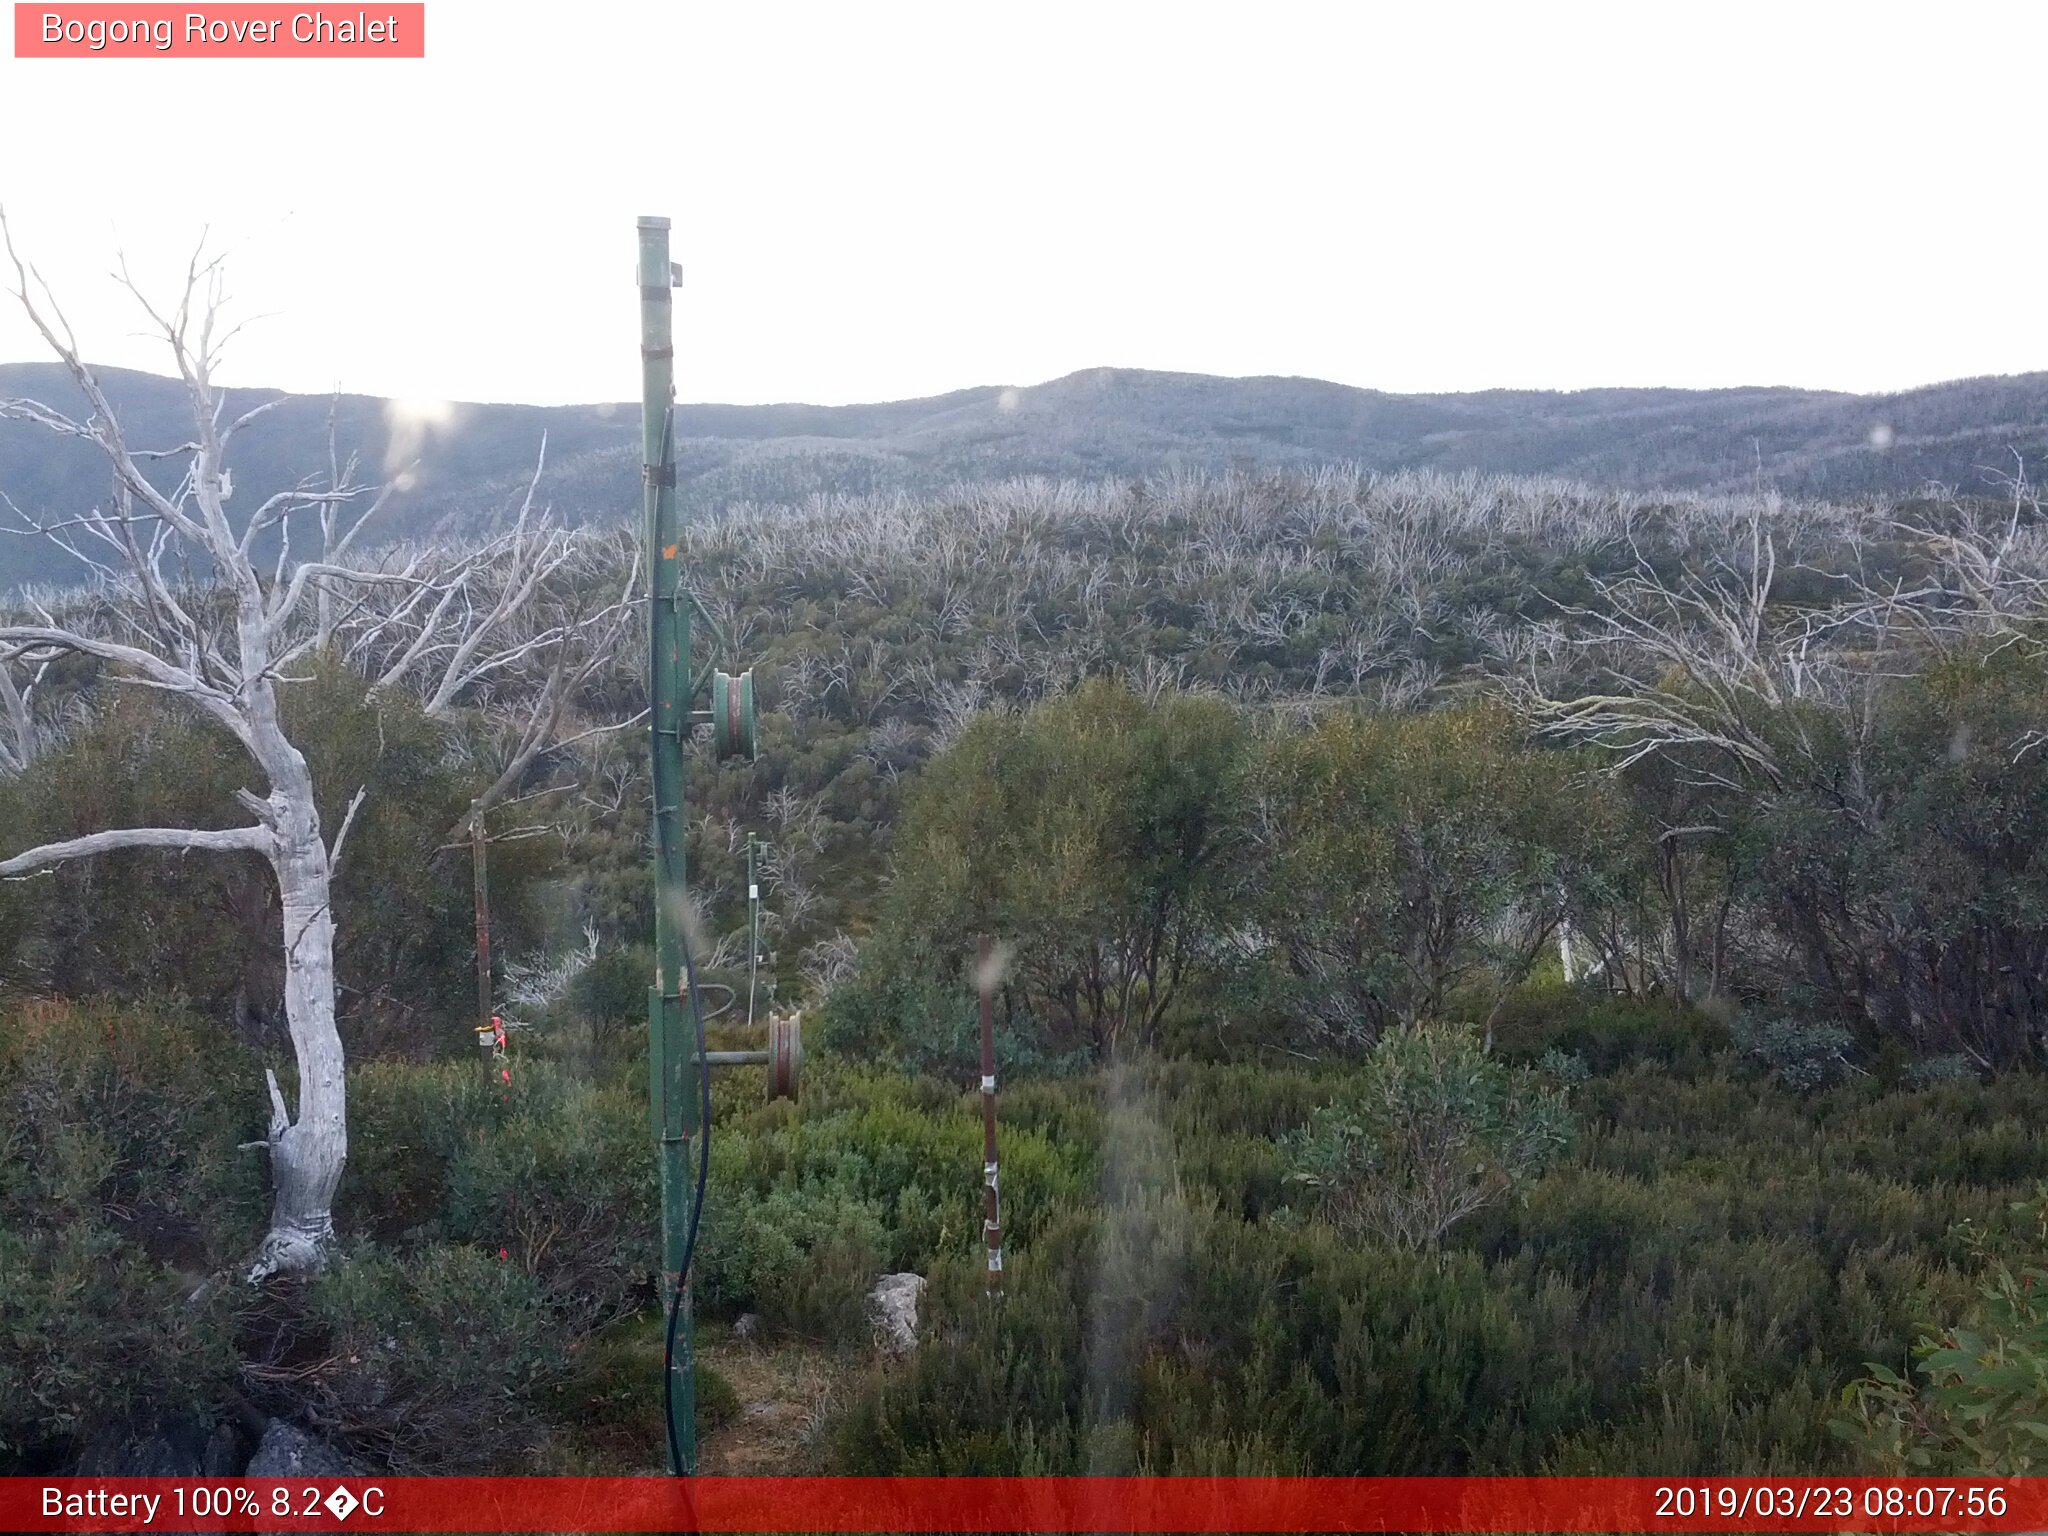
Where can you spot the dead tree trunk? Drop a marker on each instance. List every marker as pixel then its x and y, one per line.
pixel 307 1153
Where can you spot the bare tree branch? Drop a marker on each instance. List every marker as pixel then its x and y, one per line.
pixel 185 839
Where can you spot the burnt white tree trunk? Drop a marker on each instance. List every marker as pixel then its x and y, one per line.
pixel 306 1154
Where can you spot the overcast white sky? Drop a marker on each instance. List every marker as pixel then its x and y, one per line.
pixel 875 200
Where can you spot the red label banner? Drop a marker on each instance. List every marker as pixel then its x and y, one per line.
pixel 1025 1504
pixel 224 31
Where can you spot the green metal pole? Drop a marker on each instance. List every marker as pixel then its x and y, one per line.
pixel 672 1057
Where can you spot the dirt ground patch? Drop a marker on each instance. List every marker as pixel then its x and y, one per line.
pixel 786 1393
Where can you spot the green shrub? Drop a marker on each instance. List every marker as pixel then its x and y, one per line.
pixel 131 1116
pixel 137 922
pixel 1608 1033
pixel 1689 1293
pixel 1433 1132
pixel 1098 833
pixel 993 1389
pixel 121 1193
pixel 1979 1401
pixel 1802 1056
pixel 802 1256
pixel 894 1013
pixel 557 1172
pixel 1410 858
pixel 717 1403
pixel 607 1009
pixel 1943 1069
pixel 609 1405
pixel 1565 1067
pixel 877 1173
pixel 94 1332
pixel 437 1361
pixel 910 1150
pixel 407 1122
pixel 613 987
pixel 563 1179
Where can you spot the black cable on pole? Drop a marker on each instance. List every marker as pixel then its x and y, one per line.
pixel 665 477
pixel 675 1300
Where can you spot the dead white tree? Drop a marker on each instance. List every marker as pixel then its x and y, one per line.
pixel 1983 576
pixel 1687 663
pixel 20 737
pixel 517 630
pixel 1749 697
pixel 224 647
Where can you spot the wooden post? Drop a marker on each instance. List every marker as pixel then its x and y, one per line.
pixel 478 857
pixel 992 1205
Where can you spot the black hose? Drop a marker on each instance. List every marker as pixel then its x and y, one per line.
pixel 675 1300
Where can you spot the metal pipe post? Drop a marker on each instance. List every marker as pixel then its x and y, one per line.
pixel 753 927
pixel 992 1205
pixel 672 1063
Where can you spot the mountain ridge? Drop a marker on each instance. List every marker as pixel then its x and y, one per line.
pixel 466 470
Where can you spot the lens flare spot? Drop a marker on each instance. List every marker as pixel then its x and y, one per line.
pixel 409 425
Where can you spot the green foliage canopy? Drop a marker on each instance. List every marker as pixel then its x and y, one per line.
pixel 1095 836
pixel 1433 1131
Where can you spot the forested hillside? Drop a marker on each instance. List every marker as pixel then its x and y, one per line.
pixel 1498 976
pixel 464 467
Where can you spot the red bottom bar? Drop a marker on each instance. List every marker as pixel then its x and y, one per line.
pixel 1025 1504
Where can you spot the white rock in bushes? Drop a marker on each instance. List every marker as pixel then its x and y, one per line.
pixel 893 1304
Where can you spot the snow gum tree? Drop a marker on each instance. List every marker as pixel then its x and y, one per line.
pixel 224 646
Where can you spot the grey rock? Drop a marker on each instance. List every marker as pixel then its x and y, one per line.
pixel 893 1304
pixel 288 1451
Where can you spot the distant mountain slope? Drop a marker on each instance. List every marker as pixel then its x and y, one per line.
pixel 468 470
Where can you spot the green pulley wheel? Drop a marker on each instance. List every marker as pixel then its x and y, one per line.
pixel 732 715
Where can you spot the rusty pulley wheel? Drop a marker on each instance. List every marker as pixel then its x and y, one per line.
pixel 785 1055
